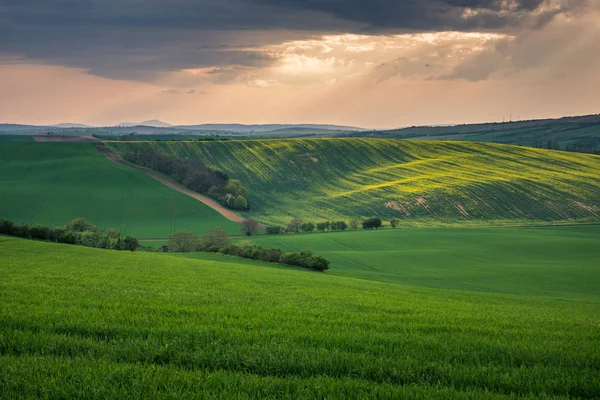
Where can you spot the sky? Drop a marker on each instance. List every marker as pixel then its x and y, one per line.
pixel 368 63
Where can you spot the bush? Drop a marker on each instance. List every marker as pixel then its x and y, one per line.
pixel 394 222
pixel 64 235
pixel 274 230
pixel 40 233
pixel 240 203
pixel 215 237
pixel 7 227
pixel 183 242
pixel 129 243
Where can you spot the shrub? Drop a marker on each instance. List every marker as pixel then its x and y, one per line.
pixel 274 230
pixel 88 238
pixel 129 243
pixel 64 235
pixel 214 237
pixel 7 227
pixel 240 203
pixel 394 222
pixel 354 224
pixel 183 242
pixel 40 233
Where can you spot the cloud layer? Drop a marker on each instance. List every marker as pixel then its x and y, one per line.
pixel 306 59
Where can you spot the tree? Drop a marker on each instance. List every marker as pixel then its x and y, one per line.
pixel 183 242
pixel 240 203
pixel 215 238
pixel 394 222
pixel 249 227
pixel 339 226
pixel 354 224
pixel 307 227
pixel 235 188
pixel 372 223
pixel 321 226
pixel 80 225
pixel 129 243
pixel 294 225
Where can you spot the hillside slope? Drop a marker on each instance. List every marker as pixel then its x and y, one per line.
pixel 52 183
pixel 581 133
pixel 416 181
pixel 86 323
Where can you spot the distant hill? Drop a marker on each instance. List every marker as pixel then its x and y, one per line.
pixel 241 128
pixel 580 133
pixel 70 125
pixel 152 123
pixel 420 182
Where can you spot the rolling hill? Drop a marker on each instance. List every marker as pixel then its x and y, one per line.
pixel 52 183
pixel 419 182
pixel 87 323
pixel 581 133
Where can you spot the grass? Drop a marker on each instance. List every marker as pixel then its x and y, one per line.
pixel 550 261
pixel 420 182
pixel 85 323
pixel 52 183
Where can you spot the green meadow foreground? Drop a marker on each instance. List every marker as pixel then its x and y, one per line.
pixel 419 182
pixel 87 323
pixel 52 183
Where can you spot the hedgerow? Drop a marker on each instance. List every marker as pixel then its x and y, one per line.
pixel 77 232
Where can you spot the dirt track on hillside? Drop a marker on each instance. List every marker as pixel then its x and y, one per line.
pixel 230 215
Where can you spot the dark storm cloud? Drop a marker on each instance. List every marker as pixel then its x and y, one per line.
pixel 142 39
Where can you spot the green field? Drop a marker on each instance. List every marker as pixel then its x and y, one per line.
pixel 16 138
pixel 419 182
pixel 52 183
pixel 583 131
pixel 86 323
pixel 548 261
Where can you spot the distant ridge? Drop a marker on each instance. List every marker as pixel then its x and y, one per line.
pixel 242 128
pixel 155 123
pixel 70 125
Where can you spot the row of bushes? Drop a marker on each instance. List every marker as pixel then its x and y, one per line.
pixel 217 241
pixel 77 231
pixel 194 175
pixel 296 225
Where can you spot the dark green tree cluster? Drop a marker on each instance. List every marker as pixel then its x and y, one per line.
pixel 372 223
pixel 194 175
pixel 78 231
pixel 217 241
pixel 296 225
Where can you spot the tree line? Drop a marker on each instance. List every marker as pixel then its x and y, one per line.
pixel 296 225
pixel 195 175
pixel 78 231
pixel 217 241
